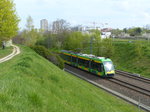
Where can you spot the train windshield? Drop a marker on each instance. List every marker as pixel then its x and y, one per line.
pixel 108 65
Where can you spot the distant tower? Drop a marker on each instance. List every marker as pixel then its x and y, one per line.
pixel 44 24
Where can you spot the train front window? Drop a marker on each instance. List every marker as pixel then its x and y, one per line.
pixel 108 65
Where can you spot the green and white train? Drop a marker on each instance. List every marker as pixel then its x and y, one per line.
pixel 97 65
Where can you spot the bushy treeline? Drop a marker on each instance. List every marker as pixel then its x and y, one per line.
pixel 68 40
pixel 75 41
pixel 134 32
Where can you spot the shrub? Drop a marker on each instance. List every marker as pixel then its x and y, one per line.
pixel 54 58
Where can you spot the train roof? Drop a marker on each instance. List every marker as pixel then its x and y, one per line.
pixel 89 56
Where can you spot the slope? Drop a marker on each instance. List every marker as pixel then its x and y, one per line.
pixel 5 52
pixel 29 83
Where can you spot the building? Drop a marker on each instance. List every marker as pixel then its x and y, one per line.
pixel 44 24
pixel 106 33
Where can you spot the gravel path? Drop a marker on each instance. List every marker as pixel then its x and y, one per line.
pixel 15 52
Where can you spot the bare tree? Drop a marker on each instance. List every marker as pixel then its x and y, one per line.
pixel 60 26
pixel 29 24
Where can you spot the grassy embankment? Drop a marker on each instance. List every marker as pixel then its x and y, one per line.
pixel 29 83
pixel 132 58
pixel 5 52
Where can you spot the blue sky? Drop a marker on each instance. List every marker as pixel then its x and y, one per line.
pixel 117 13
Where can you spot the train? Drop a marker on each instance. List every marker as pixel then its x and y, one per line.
pixel 100 66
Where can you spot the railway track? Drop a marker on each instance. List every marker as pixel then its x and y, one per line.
pixel 140 94
pixel 131 86
pixel 133 76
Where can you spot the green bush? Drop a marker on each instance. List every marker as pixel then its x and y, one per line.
pixel 54 58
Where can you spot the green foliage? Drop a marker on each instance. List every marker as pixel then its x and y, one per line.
pixel 29 38
pixel 49 41
pixel 74 41
pixel 132 57
pixel 54 58
pixel 135 31
pixel 95 33
pixel 8 20
pixel 46 88
pixel 138 48
pixel 29 24
pixel 108 47
pixel 41 50
pixel 30 35
pixel 116 32
pixel 103 47
pixel 67 40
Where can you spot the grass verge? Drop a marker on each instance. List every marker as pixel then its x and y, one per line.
pixel 5 52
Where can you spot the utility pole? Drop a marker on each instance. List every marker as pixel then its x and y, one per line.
pixel 148 36
pixel 91 45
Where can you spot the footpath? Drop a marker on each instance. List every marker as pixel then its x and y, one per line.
pixel 16 51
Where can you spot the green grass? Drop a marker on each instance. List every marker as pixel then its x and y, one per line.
pixel 129 57
pixel 5 52
pixel 29 83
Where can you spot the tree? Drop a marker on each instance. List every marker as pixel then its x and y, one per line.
pixel 60 26
pixel 116 32
pixel 29 24
pixel 8 20
pixel 125 30
pixel 135 31
pixel 30 34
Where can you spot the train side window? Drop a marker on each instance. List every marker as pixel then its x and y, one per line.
pixel 66 57
pixel 69 58
pixel 80 61
pixel 99 67
pixel 92 65
pixel 86 63
pixel 83 62
pixel 74 59
pixel 96 66
pixel 63 56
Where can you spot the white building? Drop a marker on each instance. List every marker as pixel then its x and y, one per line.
pixel 44 24
pixel 106 33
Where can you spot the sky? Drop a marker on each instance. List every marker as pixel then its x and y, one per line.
pixel 117 13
